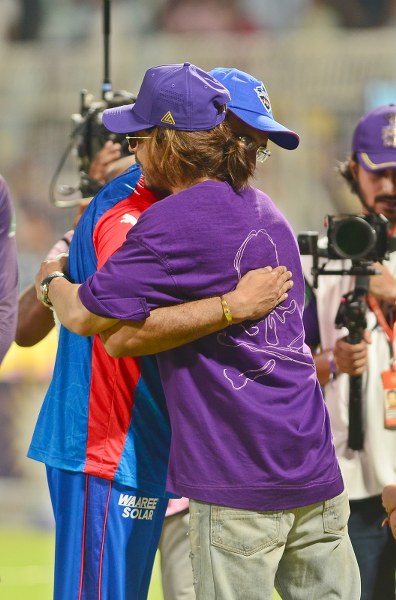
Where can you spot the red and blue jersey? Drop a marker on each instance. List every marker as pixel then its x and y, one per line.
pixel 105 416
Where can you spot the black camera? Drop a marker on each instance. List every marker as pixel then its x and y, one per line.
pixel 363 239
pixel 90 133
pixel 355 237
pixel 358 237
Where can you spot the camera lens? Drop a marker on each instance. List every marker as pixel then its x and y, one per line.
pixel 353 238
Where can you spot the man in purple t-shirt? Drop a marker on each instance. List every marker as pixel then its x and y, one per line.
pixel 8 271
pixel 251 440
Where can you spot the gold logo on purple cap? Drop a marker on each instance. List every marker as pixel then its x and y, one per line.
pixel 389 132
pixel 168 118
pixel 263 96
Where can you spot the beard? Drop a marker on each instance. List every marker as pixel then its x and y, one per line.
pixel 153 182
pixel 383 204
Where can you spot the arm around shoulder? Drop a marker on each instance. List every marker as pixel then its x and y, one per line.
pixel 256 295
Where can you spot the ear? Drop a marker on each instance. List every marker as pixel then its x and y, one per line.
pixel 354 167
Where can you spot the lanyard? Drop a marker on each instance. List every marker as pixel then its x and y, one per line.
pixel 388 330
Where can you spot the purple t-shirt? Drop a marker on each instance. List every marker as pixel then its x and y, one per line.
pixel 249 425
pixel 8 271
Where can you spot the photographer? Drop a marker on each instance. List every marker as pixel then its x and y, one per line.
pixel 371 174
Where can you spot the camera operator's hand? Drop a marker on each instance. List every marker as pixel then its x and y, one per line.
pixel 351 358
pixel 389 497
pixel 119 166
pixel 392 522
pixel 383 286
pixel 259 292
pixel 389 504
pixel 110 152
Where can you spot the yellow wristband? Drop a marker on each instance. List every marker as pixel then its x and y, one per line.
pixel 226 310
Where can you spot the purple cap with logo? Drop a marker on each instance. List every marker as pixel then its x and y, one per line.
pixel 374 140
pixel 250 102
pixel 179 96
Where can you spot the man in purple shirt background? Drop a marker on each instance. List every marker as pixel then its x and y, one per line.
pixel 251 441
pixel 8 271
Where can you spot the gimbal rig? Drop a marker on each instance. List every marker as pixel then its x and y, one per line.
pixel 364 240
pixel 352 315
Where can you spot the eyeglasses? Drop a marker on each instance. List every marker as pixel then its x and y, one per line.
pixel 262 152
pixel 133 140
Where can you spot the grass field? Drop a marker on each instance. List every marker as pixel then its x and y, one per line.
pixel 26 566
pixel 26 563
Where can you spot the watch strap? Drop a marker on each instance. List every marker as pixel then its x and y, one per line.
pixel 44 287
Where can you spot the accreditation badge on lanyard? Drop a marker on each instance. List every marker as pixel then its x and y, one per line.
pixel 389 376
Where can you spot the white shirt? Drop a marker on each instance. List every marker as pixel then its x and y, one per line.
pixel 365 472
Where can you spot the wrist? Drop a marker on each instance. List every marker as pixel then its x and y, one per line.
pixel 44 287
pixel 332 365
pixel 235 305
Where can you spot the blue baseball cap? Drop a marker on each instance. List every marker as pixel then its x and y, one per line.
pixel 176 96
pixel 250 103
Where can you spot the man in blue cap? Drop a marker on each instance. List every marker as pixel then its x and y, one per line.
pixel 251 441
pixel 251 104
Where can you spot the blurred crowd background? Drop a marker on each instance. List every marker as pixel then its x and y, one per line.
pixel 324 62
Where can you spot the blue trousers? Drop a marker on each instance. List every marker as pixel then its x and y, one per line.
pixel 375 549
pixel 106 537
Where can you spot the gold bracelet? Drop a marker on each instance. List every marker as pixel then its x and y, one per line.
pixel 226 310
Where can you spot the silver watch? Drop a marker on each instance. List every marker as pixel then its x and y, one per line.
pixel 44 287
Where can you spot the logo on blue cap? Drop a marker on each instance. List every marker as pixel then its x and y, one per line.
pixel 263 96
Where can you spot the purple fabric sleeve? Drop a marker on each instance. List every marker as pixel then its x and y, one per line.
pixel 134 309
pixel 8 271
pixel 133 281
pixel 109 291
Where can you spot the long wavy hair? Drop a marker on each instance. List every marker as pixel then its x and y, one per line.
pixel 182 158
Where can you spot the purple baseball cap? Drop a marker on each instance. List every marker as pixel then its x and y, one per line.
pixel 179 96
pixel 374 140
pixel 250 102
